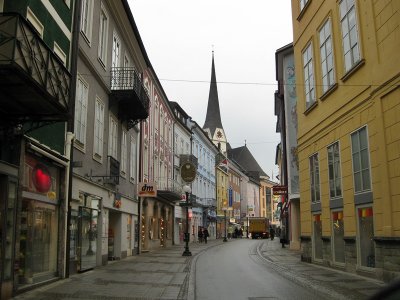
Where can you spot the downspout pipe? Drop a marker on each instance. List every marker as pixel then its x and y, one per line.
pixel 70 127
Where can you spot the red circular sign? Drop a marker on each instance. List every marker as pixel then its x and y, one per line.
pixel 41 178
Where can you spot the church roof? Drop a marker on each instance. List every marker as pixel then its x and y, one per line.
pixel 213 117
pixel 243 156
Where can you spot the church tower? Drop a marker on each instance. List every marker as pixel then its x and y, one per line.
pixel 213 125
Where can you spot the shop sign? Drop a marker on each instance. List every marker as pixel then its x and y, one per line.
pixel 279 190
pixel 147 189
pixel 117 201
pixel 40 177
pixel 188 171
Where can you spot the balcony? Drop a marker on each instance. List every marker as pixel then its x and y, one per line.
pixel 169 189
pixel 128 93
pixel 34 83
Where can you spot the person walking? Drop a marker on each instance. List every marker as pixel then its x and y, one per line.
pixel 205 235
pixel 200 234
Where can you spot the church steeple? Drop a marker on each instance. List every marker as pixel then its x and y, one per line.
pixel 213 124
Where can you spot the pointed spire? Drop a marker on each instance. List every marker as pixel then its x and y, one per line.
pixel 213 117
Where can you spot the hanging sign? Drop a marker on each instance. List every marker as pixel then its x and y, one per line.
pixel 147 189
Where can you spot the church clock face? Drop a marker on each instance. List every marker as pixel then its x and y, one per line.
pixel 219 134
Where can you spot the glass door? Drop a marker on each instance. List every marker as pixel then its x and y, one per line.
pixel 87 238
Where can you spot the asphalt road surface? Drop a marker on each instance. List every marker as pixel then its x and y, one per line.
pixel 235 271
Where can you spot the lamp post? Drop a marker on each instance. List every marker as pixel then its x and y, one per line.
pixel 225 239
pixel 187 190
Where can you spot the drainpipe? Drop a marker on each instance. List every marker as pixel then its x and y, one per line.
pixel 74 50
pixel 140 179
pixel 68 183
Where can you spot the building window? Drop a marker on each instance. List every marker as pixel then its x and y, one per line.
pixel 335 186
pixel 326 50
pixel 103 33
pixel 314 177
pixel 116 51
pixel 366 237
pixel 132 164
pixel 86 19
pixel 338 236
pixel 348 20
pixel 303 4
pixel 82 93
pixel 309 85
pixel 124 152
pixel 98 128
pixel 113 138
pixel 360 156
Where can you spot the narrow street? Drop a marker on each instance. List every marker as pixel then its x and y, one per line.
pixel 238 269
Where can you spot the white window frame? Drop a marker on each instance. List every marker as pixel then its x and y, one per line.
pixel 60 53
pixel 87 19
pixel 315 187
pixel 327 57
pixel 98 139
pixel 103 36
pixel 350 35
pixel 335 167
pixel 113 137
pixel 364 164
pixel 116 51
pixel 81 103
pixel 133 159
pixel 31 17
pixel 124 152
pixel 308 72
pixel 303 4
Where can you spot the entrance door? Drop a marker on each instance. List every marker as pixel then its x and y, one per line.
pixel 87 238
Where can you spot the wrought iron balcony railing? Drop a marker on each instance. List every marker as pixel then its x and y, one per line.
pixel 128 91
pixel 34 82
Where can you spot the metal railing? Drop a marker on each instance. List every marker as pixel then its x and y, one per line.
pixel 21 45
pixel 127 78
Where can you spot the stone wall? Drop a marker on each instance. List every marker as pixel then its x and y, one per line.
pixel 306 249
pixel 387 254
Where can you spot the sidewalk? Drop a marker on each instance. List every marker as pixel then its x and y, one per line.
pixel 335 283
pixel 166 274
pixel 160 274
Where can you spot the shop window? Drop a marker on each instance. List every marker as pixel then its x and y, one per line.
pixel 38 242
pixel 366 237
pixel 338 235
pixel 317 237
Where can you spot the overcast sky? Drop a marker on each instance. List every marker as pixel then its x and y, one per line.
pixel 179 36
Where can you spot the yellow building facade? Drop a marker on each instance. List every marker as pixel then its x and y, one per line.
pixel 348 109
pixel 222 184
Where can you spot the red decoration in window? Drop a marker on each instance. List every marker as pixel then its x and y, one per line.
pixel 41 178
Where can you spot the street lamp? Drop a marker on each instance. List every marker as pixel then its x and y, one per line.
pixel 225 209
pixel 187 190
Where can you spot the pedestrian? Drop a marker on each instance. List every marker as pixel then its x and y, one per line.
pixel 283 238
pixel 240 232
pixel 205 235
pixel 271 233
pixel 200 235
pixel 236 234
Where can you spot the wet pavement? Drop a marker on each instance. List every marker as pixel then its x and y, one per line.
pixel 166 274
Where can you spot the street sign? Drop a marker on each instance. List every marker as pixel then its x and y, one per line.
pixel 279 190
pixel 188 172
pixel 185 204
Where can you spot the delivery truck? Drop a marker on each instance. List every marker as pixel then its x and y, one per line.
pixel 259 227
